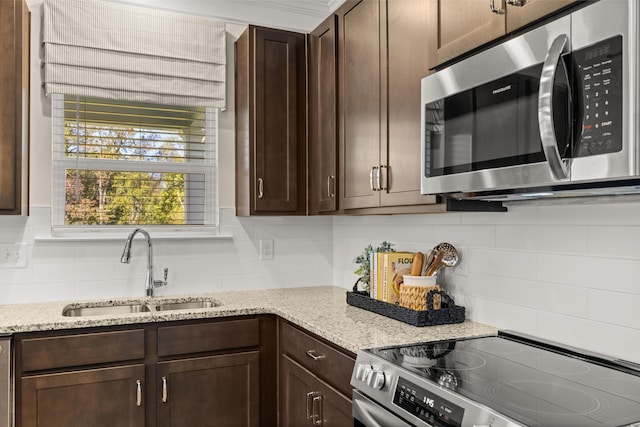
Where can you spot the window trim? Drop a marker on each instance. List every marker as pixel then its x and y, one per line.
pixel 60 164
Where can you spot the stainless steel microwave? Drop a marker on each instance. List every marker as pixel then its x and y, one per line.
pixel 552 112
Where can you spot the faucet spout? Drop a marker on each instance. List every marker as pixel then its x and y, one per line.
pixel 150 284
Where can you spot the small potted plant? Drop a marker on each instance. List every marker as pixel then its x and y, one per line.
pixel 364 265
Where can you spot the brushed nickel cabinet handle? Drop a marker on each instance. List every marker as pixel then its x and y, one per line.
pixel 331 186
pixel 386 181
pixel 497 10
pixel 309 404
pixel 312 354
pixel 317 411
pixel 138 393
pixel 164 390
pixel 260 188
pixel 518 3
pixel 371 184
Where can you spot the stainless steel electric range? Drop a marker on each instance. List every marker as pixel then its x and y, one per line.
pixel 498 381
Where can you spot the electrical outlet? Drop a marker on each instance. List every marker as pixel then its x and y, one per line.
pixel 266 249
pixel 13 255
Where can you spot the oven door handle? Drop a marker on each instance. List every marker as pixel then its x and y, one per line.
pixel 545 108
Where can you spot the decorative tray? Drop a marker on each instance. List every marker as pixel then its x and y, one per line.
pixel 448 313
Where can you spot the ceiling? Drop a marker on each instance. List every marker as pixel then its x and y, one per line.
pixel 298 15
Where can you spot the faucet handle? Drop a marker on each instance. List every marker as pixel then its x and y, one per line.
pixel 161 283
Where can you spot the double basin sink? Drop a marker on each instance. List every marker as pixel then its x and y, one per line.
pixel 112 308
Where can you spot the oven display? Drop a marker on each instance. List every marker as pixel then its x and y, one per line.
pixel 428 407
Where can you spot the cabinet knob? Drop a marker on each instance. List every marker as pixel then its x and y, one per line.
pixel 500 10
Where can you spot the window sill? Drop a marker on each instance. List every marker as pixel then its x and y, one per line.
pixel 101 236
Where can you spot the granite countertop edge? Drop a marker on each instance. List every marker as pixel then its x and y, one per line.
pixel 321 310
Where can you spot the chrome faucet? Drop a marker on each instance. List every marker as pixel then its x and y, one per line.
pixel 150 284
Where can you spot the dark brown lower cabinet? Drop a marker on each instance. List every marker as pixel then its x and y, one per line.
pixel 306 400
pixel 210 391
pixel 219 372
pixel 104 397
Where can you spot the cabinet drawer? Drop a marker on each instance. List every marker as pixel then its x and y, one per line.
pixel 185 339
pixel 323 360
pixel 79 350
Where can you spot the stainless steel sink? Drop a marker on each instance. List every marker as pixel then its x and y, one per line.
pixel 102 310
pixel 187 305
pixel 111 308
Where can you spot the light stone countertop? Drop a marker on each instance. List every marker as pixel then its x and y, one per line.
pixel 322 310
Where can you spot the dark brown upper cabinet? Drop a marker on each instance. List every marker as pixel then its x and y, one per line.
pixel 463 25
pixel 323 111
pixel 14 107
pixel 383 53
pixel 270 111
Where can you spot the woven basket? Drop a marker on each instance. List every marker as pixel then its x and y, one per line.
pixel 415 297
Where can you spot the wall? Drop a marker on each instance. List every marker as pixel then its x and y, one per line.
pixel 569 273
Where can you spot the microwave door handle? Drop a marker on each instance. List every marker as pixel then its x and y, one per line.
pixel 545 108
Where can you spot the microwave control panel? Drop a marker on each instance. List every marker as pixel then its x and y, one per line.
pixel 598 71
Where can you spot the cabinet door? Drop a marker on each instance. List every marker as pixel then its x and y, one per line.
pixel 407 54
pixel 323 142
pixel 463 25
pixel 519 16
pixel 279 140
pixel 304 399
pixel 296 388
pixel 336 408
pixel 359 80
pixel 210 391
pixel 98 398
pixel 14 95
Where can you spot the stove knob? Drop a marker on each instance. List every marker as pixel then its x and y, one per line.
pixel 376 379
pixel 362 371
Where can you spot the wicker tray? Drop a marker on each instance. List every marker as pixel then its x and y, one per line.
pixel 449 313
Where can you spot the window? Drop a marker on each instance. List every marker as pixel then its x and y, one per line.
pixel 126 163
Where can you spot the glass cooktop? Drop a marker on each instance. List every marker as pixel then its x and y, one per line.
pixel 534 385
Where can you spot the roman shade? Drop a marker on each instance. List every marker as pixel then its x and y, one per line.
pixel 128 53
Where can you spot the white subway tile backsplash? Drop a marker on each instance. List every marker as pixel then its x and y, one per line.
pixel 615 308
pixel 58 253
pixel 605 338
pixel 591 272
pixel 482 236
pixel 564 239
pixel 614 241
pixel 502 315
pixel 36 292
pixel 504 263
pixel 73 272
pixel 582 212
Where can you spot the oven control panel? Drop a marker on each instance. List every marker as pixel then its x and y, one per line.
pixel 598 71
pixel 427 406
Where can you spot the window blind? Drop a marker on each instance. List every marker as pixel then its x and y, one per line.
pixel 123 163
pixel 122 52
